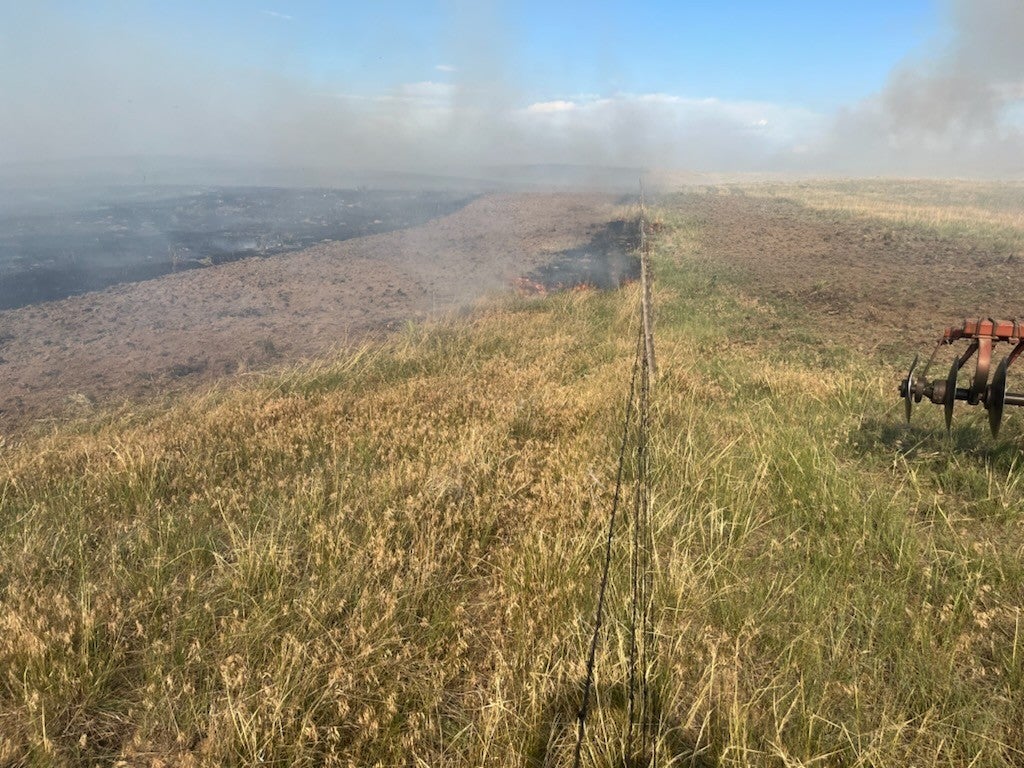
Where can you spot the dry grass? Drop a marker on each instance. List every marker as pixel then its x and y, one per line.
pixel 391 557
pixel 979 210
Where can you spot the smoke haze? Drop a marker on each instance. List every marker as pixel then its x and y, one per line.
pixel 957 110
pixel 71 93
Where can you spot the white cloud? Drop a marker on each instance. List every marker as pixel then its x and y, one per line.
pixel 445 68
pixel 426 89
pixel 548 107
pixel 451 125
pixel 276 15
pixel 670 130
pixel 426 93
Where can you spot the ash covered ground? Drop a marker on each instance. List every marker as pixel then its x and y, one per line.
pixel 279 284
pixel 57 244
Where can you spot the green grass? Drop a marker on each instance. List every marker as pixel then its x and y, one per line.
pixel 391 557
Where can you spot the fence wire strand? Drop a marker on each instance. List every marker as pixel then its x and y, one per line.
pixel 641 705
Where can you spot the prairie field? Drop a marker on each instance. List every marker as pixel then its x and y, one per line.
pixel 390 555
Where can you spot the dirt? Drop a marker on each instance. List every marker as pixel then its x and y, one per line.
pixel 870 284
pixel 185 330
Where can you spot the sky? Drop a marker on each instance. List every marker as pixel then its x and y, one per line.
pixel 897 87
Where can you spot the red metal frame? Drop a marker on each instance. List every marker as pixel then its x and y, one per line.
pixel 1002 330
pixel 983 335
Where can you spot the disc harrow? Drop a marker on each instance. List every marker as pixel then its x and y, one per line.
pixel 982 336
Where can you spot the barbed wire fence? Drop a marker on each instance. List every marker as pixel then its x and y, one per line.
pixel 641 728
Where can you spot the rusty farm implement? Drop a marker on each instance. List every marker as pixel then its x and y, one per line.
pixel 982 336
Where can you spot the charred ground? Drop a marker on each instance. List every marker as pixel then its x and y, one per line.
pixel 183 329
pixel 54 246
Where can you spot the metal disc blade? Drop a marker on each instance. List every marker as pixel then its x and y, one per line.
pixel 908 389
pixel 997 398
pixel 950 395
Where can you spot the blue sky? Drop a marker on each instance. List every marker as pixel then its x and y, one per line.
pixel 816 54
pixel 904 86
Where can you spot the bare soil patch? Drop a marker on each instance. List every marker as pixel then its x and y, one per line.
pixel 872 284
pixel 187 329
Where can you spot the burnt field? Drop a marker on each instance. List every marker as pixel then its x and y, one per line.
pixel 320 272
pixel 53 245
pixel 253 309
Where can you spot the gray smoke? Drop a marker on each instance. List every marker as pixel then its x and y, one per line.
pixel 955 111
pixel 72 90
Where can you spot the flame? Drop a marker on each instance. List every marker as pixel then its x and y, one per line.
pixel 524 286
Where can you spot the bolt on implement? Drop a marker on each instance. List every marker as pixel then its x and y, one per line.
pixel 982 336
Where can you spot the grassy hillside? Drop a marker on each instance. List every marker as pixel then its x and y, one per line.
pixel 391 557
